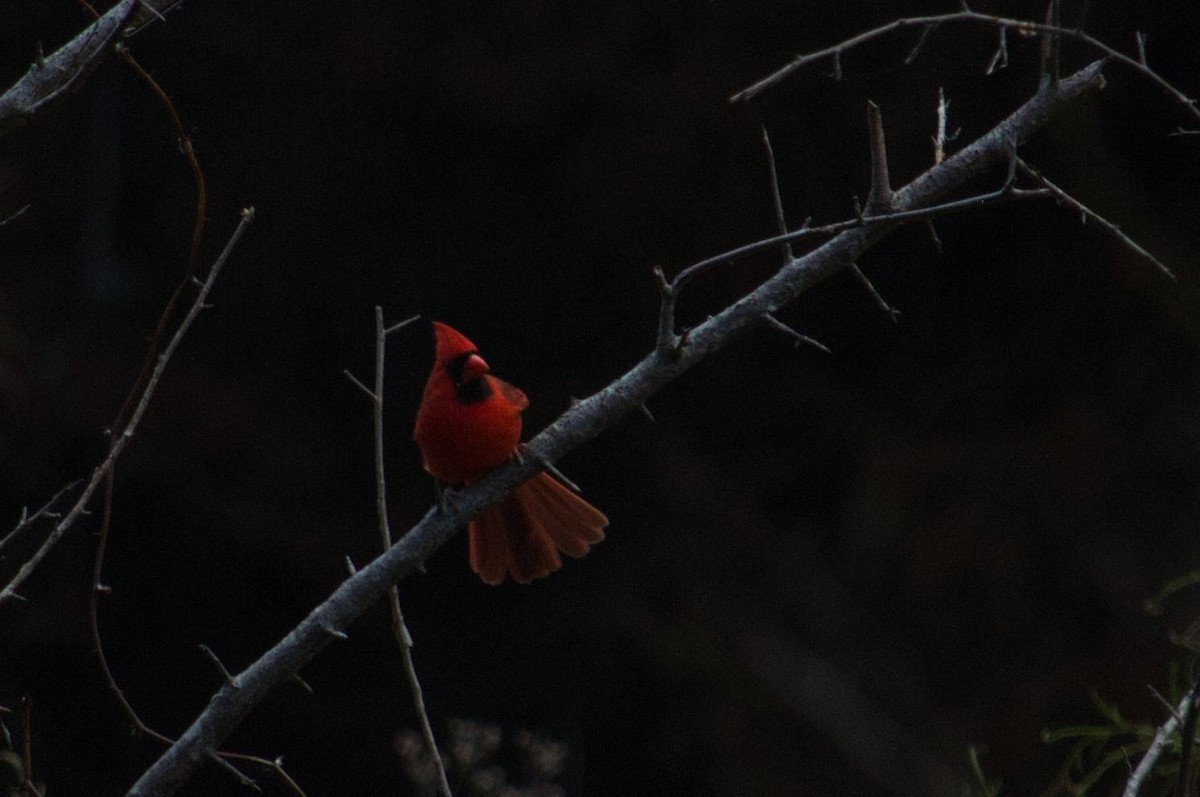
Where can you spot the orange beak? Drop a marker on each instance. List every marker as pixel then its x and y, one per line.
pixel 473 368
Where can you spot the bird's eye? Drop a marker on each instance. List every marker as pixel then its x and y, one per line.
pixel 466 372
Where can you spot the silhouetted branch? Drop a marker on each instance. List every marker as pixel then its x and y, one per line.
pixel 1162 740
pixel 125 434
pixel 27 520
pixel 586 419
pixel 399 629
pixel 1055 32
pixel 51 78
pixel 1087 214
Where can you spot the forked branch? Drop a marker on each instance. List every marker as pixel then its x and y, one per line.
pixel 123 435
pixel 586 419
pixel 1053 33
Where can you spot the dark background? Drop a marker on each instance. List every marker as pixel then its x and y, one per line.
pixel 824 574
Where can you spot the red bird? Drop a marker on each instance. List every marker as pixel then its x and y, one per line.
pixel 469 423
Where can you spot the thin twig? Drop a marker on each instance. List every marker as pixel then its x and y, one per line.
pixel 199 219
pixel 1161 740
pixel 776 198
pixel 1051 48
pixel 20 212
pixel 967 15
pixel 1000 57
pixel 1004 193
pixel 98 563
pixel 27 746
pixel 1088 213
pixel 776 324
pixel 939 138
pixel 1187 744
pixel 399 629
pixel 876 297
pixel 27 520
pixel 122 439
pixel 150 11
pixel 915 51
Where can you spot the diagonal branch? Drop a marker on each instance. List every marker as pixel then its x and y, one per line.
pixel 125 434
pixel 580 423
pixel 51 78
pixel 1162 740
pixel 1087 214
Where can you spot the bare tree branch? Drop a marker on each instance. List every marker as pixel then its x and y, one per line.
pixel 776 199
pixel 1137 64
pixel 1161 740
pixel 125 434
pixel 404 639
pixel 1087 214
pixel 580 423
pixel 51 78
pixel 27 520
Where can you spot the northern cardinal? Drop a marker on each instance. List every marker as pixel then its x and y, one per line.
pixel 469 423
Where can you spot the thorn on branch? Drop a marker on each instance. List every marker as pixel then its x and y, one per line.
pixel 933 235
pixel 401 325
pixel 241 777
pixel 558 474
pixel 304 685
pixel 153 11
pixel 1139 38
pixel 1000 57
pixel 371 394
pixel 880 198
pixel 333 632
pixel 660 279
pixel 837 65
pixel 229 679
pixel 1164 702
pixel 912 55
pixel 1010 177
pixel 880 302
pixel 798 338
pixel 667 344
pixel 646 411
pixel 776 198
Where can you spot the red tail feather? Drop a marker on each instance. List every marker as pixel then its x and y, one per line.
pixel 523 534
